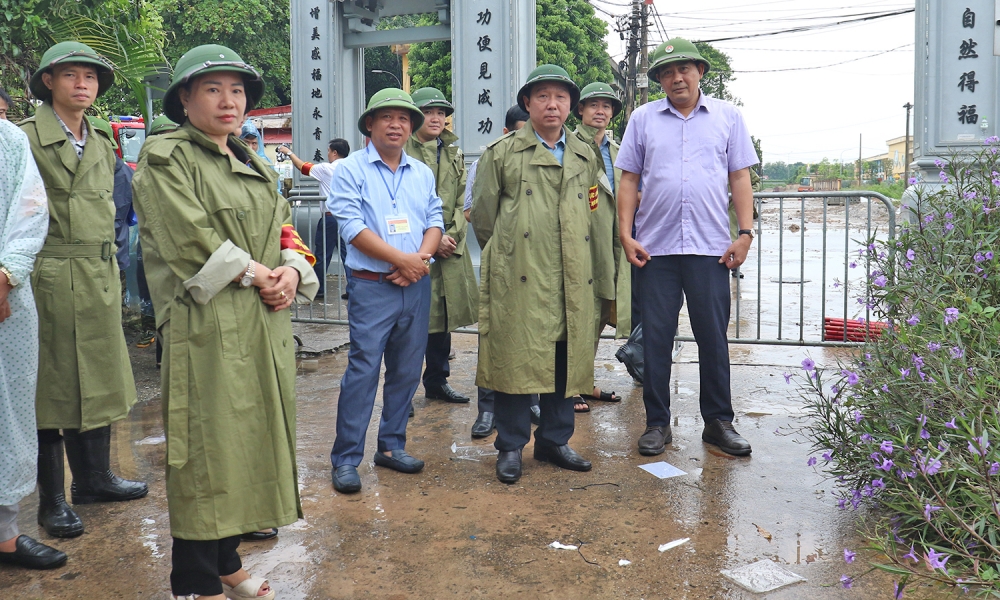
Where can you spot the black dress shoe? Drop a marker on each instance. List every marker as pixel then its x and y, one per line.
pixel 561 456
pixel 484 425
pixel 509 466
pixel 346 479
pixel 445 392
pixel 724 435
pixel 31 554
pixel 654 441
pixel 536 415
pixel 399 461
pixel 411 410
pixel 260 536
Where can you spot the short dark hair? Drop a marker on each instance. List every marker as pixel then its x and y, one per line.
pixel 340 146
pixel 514 115
pixel 5 97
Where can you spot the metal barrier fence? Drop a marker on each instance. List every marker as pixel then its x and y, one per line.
pixel 804 242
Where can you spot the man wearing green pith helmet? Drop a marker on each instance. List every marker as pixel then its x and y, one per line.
pixel 454 296
pixel 84 376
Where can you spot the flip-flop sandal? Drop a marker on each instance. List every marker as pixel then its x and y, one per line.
pixel 260 536
pixel 604 397
pixel 583 402
pixel 248 590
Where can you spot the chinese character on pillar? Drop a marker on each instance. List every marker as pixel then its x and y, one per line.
pixel 486 126
pixel 316 114
pixel 317 74
pixel 314 12
pixel 317 93
pixel 967 80
pixel 969 19
pixel 315 53
pixel 484 97
pixel 484 17
pixel 484 43
pixel 484 71
pixel 315 34
pixel 967 49
pixel 317 156
pixel 318 134
pixel 967 114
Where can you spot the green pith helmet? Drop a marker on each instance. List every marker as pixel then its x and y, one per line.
pixel 209 58
pixel 68 53
pixel 162 124
pixel 548 73
pixel 391 98
pixel 674 50
pixel 599 90
pixel 429 97
pixel 104 127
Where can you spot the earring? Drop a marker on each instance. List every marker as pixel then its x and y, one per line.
pixel 185 112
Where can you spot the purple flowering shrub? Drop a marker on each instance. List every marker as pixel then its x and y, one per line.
pixel 910 428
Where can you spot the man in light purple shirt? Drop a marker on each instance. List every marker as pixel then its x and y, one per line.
pixel 687 149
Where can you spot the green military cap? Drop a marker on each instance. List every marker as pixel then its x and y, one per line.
pixel 599 90
pixel 391 98
pixel 209 58
pixel 429 97
pixel 162 124
pixel 104 127
pixel 675 50
pixel 548 73
pixel 68 53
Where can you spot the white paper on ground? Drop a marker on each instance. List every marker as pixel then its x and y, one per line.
pixel 761 576
pixel 674 544
pixel 624 562
pixel 662 469
pixel 559 546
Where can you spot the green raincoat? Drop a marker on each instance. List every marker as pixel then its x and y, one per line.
pixel 453 280
pixel 537 283
pixel 84 375
pixel 612 273
pixel 228 377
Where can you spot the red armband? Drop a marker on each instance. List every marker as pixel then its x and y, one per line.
pixel 306 167
pixel 290 240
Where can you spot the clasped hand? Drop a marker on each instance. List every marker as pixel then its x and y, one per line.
pixel 409 269
pixel 280 293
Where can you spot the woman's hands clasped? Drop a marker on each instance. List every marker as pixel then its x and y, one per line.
pixel 279 291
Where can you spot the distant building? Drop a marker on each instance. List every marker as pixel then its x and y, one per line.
pixel 897 147
pixel 275 124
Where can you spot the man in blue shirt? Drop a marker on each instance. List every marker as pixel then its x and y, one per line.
pixel 390 215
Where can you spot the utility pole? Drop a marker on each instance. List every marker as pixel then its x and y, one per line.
pixel 906 147
pixel 861 165
pixel 633 53
pixel 642 79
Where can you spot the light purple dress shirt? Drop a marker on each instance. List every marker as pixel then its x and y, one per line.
pixel 685 164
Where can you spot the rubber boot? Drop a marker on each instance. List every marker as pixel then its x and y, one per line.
pixel 54 515
pixel 89 456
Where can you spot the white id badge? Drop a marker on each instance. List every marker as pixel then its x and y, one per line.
pixel 397 224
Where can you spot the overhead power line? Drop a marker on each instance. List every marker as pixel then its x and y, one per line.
pixel 812 27
pixel 843 62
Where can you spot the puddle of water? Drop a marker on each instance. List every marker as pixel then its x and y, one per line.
pixel 152 440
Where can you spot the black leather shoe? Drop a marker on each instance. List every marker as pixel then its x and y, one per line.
pixel 399 461
pixel 54 515
pixel 536 414
pixel 654 441
pixel 32 554
pixel 561 456
pixel 89 456
pixel 411 410
pixel 260 536
pixel 445 392
pixel 723 435
pixel 484 425
pixel 346 479
pixel 509 466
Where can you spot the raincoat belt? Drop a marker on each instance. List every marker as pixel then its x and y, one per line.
pixel 104 251
pixel 177 413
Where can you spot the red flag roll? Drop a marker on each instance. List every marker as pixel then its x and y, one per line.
pixel 857 330
pixel 290 240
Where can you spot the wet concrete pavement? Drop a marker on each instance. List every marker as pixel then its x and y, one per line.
pixel 454 531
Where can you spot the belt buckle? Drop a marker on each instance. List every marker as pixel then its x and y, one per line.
pixel 106 250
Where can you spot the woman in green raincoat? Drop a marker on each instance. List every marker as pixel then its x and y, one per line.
pixel 223 264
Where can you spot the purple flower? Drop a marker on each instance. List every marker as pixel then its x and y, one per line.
pixel 846 581
pixel 828 456
pixel 886 465
pixel 904 373
pixel 922 419
pixel 929 510
pixel 842 504
pixel 885 388
pixel 951 424
pixel 880 281
pixel 949 216
pixel 934 560
pixel 950 315
pixel 929 218
pixel 957 352
pixel 917 361
pixel 939 163
pixel 994 468
pixel 808 364
pixel 912 555
pixel 913 181
pixel 878 484
pixel 924 435
pixel 834 390
pixel 849 556
pixel 852 378
pixel 858 416
pixel 989 255
pixel 853 265
pixel 811 462
pixel 910 254
pixel 788 377
pixel 897 592
pixel 836 284
pixel 886 446
pixel 978 257
pixel 949 226
pixel 913 320
pixel 980 448
pixel 928 466
pixel 933 346
pixel 944 177
pixel 866 437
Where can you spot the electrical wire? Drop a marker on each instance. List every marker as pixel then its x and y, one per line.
pixel 812 27
pixel 850 60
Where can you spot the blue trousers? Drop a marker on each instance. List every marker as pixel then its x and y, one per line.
pixel 664 283
pixel 386 322
pixel 513 413
pixel 324 246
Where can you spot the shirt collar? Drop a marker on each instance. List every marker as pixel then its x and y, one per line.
pixel 69 133
pixel 561 142
pixel 701 104
pixel 373 156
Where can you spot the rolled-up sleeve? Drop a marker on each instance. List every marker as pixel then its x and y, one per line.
pixel 221 268
pixel 435 217
pixel 345 201
pixel 468 184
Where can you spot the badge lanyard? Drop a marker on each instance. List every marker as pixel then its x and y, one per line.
pixel 392 193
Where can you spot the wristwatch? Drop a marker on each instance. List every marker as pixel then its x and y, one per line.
pixel 745 232
pixel 10 277
pixel 247 279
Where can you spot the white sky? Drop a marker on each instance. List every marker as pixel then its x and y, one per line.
pixel 808 114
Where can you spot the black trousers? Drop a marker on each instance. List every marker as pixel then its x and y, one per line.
pixel 438 370
pixel 664 283
pixel 487 400
pixel 513 415
pixel 198 564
